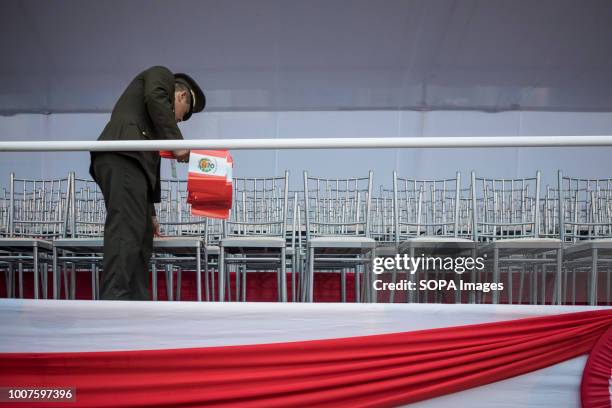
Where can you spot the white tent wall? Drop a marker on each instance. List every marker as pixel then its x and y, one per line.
pixel 418 163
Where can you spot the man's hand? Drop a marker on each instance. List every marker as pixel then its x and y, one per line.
pixel 182 155
pixel 156 227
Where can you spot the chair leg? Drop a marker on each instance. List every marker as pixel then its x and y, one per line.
pixel 238 276
pixel 558 277
pixel 44 275
pixel 365 292
pixel 170 282
pixel 20 272
pixel 393 280
pixel 9 280
pixel 357 285
pixel 283 277
pixel 495 297
pixel 244 284
pixel 472 293
pixel 509 288
pixel 206 275
pixel 593 280
pixel 92 268
pixel 363 297
pixel 370 271
pixel 73 270
pixel 478 294
pixel 299 279
pixel 293 272
pixel 521 283
pixel 154 280
pixel 533 293
pixel 12 274
pixel 311 263
pixel 412 294
pixel 608 284
pixel 179 281
pixel 458 294
pixel 63 271
pixel 228 280
pixel 543 281
pixel 574 272
pixel 12 283
pixel 221 278
pixel 97 271
pixel 565 283
pixel 199 275
pixel 425 298
pixel 35 270
pixel 55 274
pixel 213 287
pixel 343 285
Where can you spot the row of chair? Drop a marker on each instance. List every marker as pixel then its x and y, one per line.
pixel 332 224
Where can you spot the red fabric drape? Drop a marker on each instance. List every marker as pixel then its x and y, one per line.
pixel 369 371
pixel 596 384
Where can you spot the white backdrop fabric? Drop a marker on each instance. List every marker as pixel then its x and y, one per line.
pixel 268 55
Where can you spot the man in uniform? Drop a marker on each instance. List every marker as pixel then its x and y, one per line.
pixel 149 109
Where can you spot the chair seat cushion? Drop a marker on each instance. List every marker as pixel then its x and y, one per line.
pixel 84 243
pixel 177 242
pixel 342 242
pixel 25 243
pixel 589 245
pixel 526 243
pixel 253 242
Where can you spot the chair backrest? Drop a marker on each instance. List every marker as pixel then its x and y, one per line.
pixel 38 208
pixel 549 211
pixel 259 207
pixel 5 200
pixel 87 209
pixel 582 207
pixel 430 208
pixel 214 231
pixel 337 207
pixel 294 208
pixel 382 217
pixel 174 213
pixel 601 214
pixel 505 208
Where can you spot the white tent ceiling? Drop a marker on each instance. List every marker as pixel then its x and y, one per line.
pixel 76 56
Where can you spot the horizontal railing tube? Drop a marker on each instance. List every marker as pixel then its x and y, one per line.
pixel 309 143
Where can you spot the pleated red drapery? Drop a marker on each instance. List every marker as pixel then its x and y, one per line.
pixel 369 371
pixel 596 387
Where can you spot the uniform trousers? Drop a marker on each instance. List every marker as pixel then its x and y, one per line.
pixel 128 230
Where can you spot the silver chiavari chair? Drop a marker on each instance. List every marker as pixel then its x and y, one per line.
pixel 382 230
pixel 37 214
pixel 295 250
pixel 433 219
pixel 81 251
pixel 212 237
pixel 255 236
pixel 337 215
pixel 507 223
pixel 585 229
pixel 182 240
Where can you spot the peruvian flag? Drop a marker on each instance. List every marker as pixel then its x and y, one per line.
pixel 209 183
pixel 173 354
